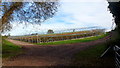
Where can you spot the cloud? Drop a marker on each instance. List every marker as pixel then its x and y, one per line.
pixel 94 13
pixel 73 14
pixel 82 0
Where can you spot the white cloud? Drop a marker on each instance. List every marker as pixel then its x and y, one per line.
pixel 82 0
pixel 74 14
pixel 90 13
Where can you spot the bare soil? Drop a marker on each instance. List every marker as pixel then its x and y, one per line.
pixel 50 55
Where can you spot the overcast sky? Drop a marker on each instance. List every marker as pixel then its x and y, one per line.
pixel 77 14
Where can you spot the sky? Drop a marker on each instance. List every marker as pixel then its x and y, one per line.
pixel 71 14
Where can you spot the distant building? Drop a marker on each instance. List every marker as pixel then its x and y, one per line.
pixel 50 31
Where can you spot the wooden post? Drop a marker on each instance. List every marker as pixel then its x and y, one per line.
pixel 37 38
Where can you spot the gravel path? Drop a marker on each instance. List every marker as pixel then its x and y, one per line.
pixel 50 55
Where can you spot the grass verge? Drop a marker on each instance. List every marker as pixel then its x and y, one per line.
pixel 91 58
pixel 87 39
pixel 9 49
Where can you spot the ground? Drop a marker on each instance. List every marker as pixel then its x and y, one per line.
pixel 50 55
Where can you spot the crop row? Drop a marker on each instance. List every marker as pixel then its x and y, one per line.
pixel 51 38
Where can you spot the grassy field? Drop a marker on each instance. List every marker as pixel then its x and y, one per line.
pixel 9 49
pixel 91 58
pixel 87 39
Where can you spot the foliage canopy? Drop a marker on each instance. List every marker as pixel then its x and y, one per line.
pixel 32 12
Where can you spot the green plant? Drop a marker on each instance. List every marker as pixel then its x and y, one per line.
pixel 9 49
pixel 87 39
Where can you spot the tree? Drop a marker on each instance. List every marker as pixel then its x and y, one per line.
pixel 35 12
pixel 115 10
pixel 50 31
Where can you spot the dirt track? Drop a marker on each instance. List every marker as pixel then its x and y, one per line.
pixel 51 55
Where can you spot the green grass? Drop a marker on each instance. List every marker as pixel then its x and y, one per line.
pixel 87 39
pixel 9 49
pixel 91 58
